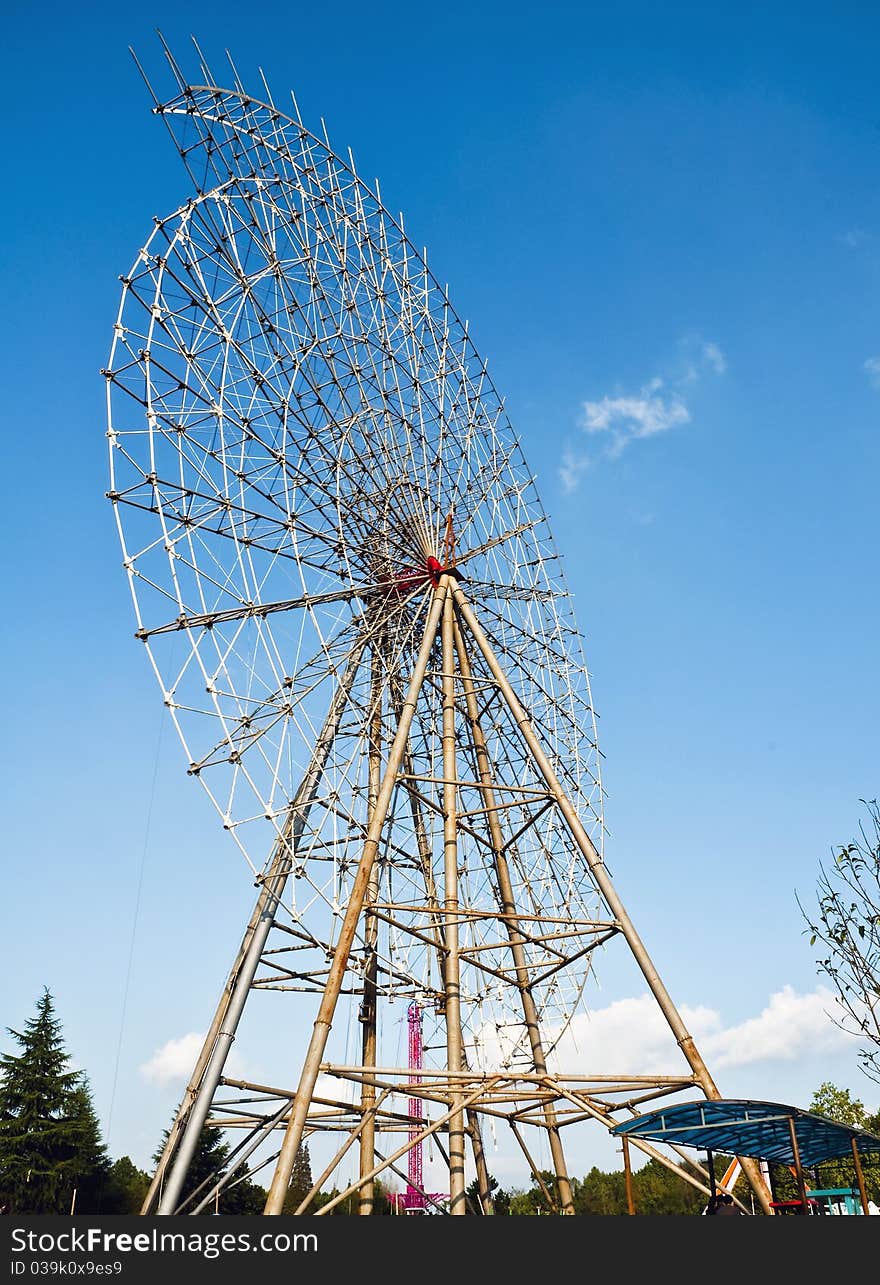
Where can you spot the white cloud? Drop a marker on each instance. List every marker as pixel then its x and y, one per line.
pixel 631 1036
pixel 658 406
pixel 790 1027
pixel 853 238
pixel 627 418
pixel 175 1060
pixel 872 366
pixel 334 1088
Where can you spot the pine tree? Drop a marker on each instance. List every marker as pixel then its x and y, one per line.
pixel 49 1137
pixel 208 1164
pixel 300 1182
pixel 127 1185
pixel 90 1167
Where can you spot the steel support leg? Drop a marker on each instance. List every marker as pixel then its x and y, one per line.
pixel 368 1013
pixel 511 923
pixel 324 1020
pixel 452 967
pixel 184 1135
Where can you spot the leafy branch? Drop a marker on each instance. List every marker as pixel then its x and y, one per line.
pixel 846 924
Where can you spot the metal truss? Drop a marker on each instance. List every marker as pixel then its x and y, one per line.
pixel 345 584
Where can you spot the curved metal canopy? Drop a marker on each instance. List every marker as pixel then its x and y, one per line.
pixel 760 1130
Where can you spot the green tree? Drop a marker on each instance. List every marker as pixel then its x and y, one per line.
pixel 600 1193
pixel 658 1190
pixel 90 1167
pixel 50 1143
pixel 839 1105
pixel 846 926
pixel 300 1182
pixel 345 1208
pixel 209 1163
pixel 348 1206
pixel 499 1197
pixel 126 1188
pixel 534 1202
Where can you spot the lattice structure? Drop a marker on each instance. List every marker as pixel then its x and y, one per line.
pixel 415 1192
pixel 346 586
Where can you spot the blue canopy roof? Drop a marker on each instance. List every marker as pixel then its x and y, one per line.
pixel 759 1130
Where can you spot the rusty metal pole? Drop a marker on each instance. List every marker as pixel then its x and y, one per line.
pixel 433 903
pixel 549 1196
pixel 368 1013
pixel 509 917
pixel 324 1020
pixel 452 964
pixel 628 1177
pixel 602 878
pixel 338 1156
pixel 193 1111
pixel 476 1137
pixel 798 1167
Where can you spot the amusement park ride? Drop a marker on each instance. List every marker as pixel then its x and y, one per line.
pixel 415 1200
pixel 346 587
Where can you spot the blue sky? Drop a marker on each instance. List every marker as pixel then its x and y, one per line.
pixel 663 224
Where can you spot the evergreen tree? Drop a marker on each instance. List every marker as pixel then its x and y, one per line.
pixel 658 1190
pixel 126 1188
pixel 49 1137
pixel 533 1202
pixel 349 1206
pixel 500 1198
pixel 600 1193
pixel 345 1207
pixel 90 1167
pixel 300 1182
pixel 209 1163
pixel 383 1205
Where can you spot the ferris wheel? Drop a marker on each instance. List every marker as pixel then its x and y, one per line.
pixel 346 587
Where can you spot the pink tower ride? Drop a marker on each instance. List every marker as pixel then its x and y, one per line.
pixel 414 1199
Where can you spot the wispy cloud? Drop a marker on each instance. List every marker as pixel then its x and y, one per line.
pixel 872 366
pixel 618 419
pixel 854 237
pixel 697 357
pixel 714 358
pixel 571 467
pixel 628 418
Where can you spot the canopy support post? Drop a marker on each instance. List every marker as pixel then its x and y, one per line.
pixel 860 1177
pixel 798 1167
